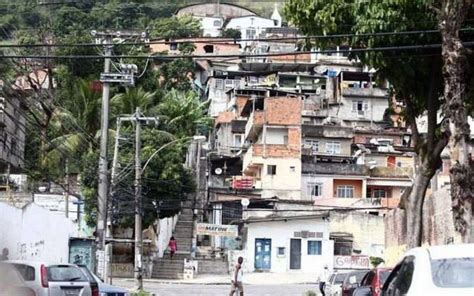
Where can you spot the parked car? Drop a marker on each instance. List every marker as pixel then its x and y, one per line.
pixel 437 270
pixel 373 281
pixel 333 286
pixel 352 281
pixel 104 289
pixel 53 279
pixel 11 282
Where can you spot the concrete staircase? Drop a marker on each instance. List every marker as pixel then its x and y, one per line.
pixel 172 268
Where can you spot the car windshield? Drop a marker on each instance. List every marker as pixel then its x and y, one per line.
pixel 453 273
pixel 383 276
pixel 340 278
pixel 65 273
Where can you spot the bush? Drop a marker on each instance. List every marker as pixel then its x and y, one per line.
pixel 375 261
pixel 310 293
pixel 140 293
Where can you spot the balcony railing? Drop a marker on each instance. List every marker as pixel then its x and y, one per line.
pixel 364 92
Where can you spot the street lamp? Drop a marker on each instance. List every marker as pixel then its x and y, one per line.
pixel 194 138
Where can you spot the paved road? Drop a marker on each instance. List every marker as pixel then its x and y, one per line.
pixel 219 290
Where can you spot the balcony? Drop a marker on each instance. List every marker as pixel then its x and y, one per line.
pixel 254 125
pixel 335 169
pixel 364 92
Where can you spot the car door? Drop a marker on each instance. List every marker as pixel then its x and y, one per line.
pixel 31 277
pixel 67 280
pixel 399 284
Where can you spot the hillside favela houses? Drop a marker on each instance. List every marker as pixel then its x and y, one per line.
pixel 304 166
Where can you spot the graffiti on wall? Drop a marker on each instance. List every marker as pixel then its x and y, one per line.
pixel 28 251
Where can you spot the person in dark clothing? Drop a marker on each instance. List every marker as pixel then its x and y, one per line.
pixel 5 254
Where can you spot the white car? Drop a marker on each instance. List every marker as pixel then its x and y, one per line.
pixel 54 279
pixel 333 286
pixel 437 270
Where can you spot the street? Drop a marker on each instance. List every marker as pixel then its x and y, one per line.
pixel 161 289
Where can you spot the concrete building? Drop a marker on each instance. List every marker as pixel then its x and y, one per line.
pixel 251 27
pixel 212 16
pixel 288 244
pixel 35 233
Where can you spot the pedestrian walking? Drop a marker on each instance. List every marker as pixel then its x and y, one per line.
pixel 5 254
pixel 323 277
pixel 173 246
pixel 237 278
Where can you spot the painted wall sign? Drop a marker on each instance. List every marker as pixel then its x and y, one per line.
pixel 352 262
pixel 217 230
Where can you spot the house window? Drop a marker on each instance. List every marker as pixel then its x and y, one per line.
pixel 250 33
pixel 314 189
pixel 314 248
pixel 217 23
pixel 285 140
pixel 333 147
pixel 229 83
pixel 281 251
pixel 292 169
pixel 345 191
pixel 379 193
pixel 208 48
pixel 238 140
pixel 219 84
pixel 360 107
pixel 271 169
pixel 313 143
pixel 173 46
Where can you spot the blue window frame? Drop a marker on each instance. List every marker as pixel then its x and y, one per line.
pixel 314 248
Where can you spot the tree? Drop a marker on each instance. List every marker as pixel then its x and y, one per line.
pixel 415 76
pixel 176 27
pixel 232 33
pixel 452 14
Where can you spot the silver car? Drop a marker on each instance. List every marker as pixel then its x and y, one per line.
pixel 50 279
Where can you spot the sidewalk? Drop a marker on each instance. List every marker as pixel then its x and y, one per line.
pixel 254 278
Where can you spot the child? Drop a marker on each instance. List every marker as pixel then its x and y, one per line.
pixel 173 247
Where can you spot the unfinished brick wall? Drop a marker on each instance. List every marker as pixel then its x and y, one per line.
pixel 283 151
pixel 240 102
pixel 283 110
pixel 438 226
pixel 225 117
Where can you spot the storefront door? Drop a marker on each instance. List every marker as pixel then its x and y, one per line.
pixel 295 253
pixel 263 253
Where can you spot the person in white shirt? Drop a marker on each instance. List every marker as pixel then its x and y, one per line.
pixel 237 278
pixel 323 277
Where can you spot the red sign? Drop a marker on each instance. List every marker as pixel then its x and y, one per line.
pixel 242 183
pixel 352 262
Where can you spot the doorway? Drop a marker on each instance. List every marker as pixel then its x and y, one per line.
pixel 295 253
pixel 263 253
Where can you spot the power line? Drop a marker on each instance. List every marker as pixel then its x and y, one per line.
pixel 218 40
pixel 239 56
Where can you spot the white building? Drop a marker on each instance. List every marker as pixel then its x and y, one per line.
pixel 35 233
pixel 251 27
pixel 288 244
pixel 211 25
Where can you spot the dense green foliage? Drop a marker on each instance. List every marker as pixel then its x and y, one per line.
pixel 63 122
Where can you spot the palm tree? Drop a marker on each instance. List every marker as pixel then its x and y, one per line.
pixel 76 122
pixel 127 102
pixel 184 113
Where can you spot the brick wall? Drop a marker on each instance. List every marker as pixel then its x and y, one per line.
pixel 275 151
pixel 438 226
pixel 283 110
pixel 225 117
pixel 240 101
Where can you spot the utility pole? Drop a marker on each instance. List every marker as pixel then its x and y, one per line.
pixel 66 194
pixel 125 77
pixel 138 204
pixel 113 181
pixel 103 166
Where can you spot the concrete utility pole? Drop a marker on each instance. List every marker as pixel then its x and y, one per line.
pixel 113 184
pixel 125 77
pixel 66 194
pixel 138 204
pixel 103 166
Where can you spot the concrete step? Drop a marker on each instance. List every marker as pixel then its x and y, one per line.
pixel 212 267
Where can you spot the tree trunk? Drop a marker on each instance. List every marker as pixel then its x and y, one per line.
pixel 452 16
pixel 414 206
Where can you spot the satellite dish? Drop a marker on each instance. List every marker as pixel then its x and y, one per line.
pixel 218 171
pixel 245 202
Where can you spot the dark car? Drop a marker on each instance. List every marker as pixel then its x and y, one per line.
pixel 103 288
pixel 352 281
pixel 11 282
pixel 374 280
